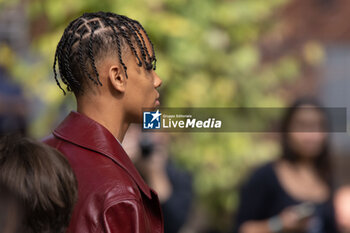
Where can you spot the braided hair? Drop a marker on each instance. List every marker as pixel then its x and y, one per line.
pixel 92 36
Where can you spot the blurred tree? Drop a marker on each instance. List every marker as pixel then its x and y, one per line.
pixel 209 56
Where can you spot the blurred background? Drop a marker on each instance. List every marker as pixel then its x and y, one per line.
pixel 211 53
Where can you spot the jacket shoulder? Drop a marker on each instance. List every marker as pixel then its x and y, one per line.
pixel 96 173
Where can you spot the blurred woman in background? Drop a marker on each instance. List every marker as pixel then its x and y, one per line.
pixel 291 194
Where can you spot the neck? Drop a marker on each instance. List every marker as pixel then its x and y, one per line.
pixel 105 113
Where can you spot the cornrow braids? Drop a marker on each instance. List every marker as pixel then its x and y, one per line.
pixel 153 58
pixel 55 73
pixel 83 31
pixel 74 82
pixel 94 26
pixel 93 36
pixel 109 23
pixel 63 56
pixel 127 38
pixel 136 24
pixel 136 35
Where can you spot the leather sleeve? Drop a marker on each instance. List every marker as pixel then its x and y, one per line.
pixel 125 217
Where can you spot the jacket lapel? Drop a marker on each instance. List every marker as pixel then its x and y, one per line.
pixel 85 132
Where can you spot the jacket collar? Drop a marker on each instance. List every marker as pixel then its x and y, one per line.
pixel 85 132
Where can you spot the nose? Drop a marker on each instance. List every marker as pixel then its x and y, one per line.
pixel 157 81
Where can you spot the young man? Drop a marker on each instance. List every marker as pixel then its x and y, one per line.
pixel 38 188
pixel 108 62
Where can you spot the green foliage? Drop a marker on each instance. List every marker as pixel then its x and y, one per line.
pixel 208 56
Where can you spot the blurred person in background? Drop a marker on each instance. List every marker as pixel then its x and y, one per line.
pixel 38 188
pixel 13 111
pixel 292 193
pixel 150 154
pixel 342 208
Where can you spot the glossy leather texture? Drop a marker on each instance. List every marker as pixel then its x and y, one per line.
pixel 113 197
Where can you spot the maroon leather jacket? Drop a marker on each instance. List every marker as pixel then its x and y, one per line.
pixel 113 197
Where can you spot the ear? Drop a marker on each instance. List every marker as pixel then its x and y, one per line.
pixel 117 78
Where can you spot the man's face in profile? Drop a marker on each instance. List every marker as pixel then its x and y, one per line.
pixel 141 88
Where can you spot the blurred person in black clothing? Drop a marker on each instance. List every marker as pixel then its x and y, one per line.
pixel 292 193
pixel 173 185
pixel 13 111
pixel 38 188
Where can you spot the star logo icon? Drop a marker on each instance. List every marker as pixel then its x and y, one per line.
pixel 151 120
pixel 156 116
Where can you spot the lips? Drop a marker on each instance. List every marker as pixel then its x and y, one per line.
pixel 157 102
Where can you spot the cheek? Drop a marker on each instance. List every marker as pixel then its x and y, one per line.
pixel 147 90
pixel 141 89
pixel 140 97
